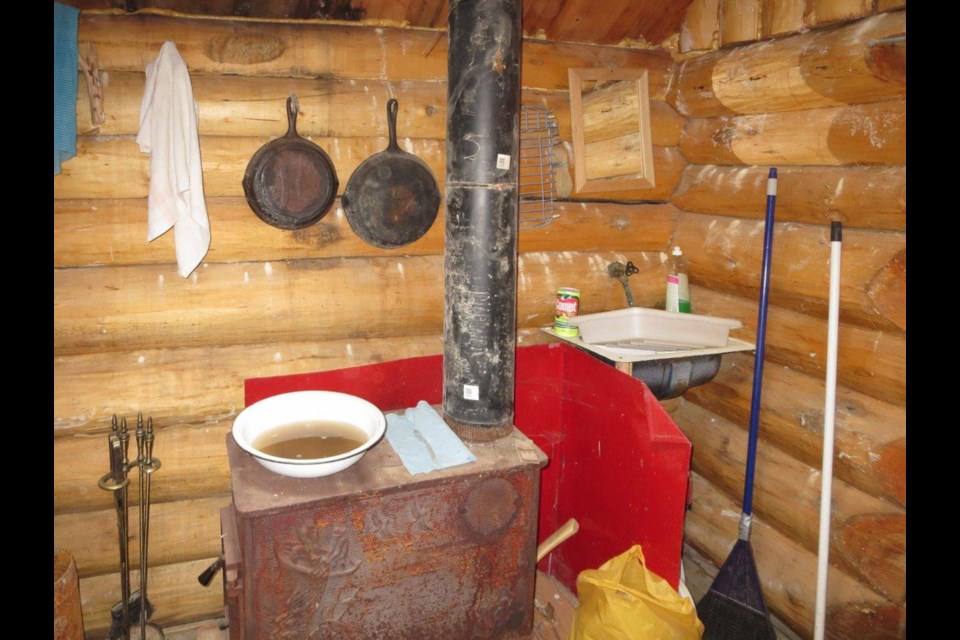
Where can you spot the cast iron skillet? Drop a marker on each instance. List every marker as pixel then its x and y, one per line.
pixel 290 182
pixel 392 197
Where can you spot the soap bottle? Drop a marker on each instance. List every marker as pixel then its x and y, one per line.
pixel 678 287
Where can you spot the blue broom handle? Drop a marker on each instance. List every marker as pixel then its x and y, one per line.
pixel 761 339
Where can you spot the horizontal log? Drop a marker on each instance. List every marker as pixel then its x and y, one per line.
pixel 870 435
pixel 113 232
pixel 255 106
pixel 251 106
pixel 194 466
pixel 108 167
pixel 729 251
pixel 150 307
pixel 320 49
pixel 872 362
pixel 699 29
pixel 175 388
pixel 180 531
pixel 817 69
pixel 788 573
pixel 873 133
pixel 174 591
pixel 787 497
pixel 871 197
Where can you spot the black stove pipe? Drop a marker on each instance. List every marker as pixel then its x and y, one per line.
pixel 480 254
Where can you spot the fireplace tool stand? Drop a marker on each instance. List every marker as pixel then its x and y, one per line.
pixel 133 607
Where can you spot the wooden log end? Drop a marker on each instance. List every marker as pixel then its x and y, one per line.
pixel 876 545
pixel 892 468
pixel 889 290
pixel 887 58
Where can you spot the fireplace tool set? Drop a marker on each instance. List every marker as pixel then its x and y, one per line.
pixel 133 607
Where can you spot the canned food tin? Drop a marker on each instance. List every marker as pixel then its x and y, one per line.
pixel 568 306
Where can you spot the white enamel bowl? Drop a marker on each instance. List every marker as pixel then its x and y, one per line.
pixel 298 406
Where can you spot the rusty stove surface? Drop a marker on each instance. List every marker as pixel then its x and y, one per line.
pixel 373 552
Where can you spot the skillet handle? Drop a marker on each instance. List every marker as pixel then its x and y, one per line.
pixel 393 107
pixel 293 108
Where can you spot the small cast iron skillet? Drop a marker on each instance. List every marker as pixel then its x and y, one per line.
pixel 392 197
pixel 290 182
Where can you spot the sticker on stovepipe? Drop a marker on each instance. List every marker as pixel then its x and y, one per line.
pixel 503 161
pixel 471 392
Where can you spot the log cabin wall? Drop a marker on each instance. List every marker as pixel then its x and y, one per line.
pixel 131 335
pixel 827 107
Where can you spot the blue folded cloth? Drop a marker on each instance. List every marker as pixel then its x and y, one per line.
pixel 423 440
pixel 64 84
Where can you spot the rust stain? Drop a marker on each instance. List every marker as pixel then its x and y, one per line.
pixel 498 64
pixel 865 621
pixel 888 290
pixel 892 469
pixel 888 60
pixel 318 235
pixel 875 545
pixel 490 507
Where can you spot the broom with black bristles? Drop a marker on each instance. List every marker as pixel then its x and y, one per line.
pixel 733 608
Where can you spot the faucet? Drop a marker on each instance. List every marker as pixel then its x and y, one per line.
pixel 621 272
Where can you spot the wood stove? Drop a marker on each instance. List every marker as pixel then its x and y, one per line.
pixel 373 552
pixel 450 554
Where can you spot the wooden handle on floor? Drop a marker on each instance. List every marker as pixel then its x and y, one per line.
pixel 569 528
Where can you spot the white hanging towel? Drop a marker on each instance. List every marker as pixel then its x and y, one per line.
pixel 169 133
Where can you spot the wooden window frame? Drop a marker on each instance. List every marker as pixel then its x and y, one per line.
pixel 644 179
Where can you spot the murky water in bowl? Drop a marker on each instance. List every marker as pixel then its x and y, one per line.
pixel 310 439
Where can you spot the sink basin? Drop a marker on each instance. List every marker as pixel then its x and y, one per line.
pixel 653 329
pixel 669 352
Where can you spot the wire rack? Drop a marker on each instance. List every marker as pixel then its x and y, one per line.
pixel 539 135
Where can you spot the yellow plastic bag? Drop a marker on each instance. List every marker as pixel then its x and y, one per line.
pixel 624 600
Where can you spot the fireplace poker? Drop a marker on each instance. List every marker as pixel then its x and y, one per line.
pixel 148 465
pixel 132 605
pixel 141 460
pixel 116 481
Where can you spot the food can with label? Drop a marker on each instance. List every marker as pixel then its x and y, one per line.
pixel 568 306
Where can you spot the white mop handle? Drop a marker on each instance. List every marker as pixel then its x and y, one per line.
pixel 829 411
